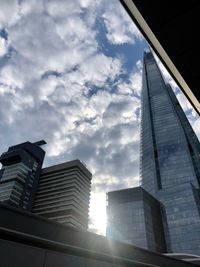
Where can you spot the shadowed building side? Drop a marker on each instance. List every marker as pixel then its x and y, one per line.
pixel 135 217
pixel 30 240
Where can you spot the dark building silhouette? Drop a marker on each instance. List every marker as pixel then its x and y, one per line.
pixel 135 217
pixel 20 173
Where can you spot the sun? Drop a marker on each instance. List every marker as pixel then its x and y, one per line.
pixel 98 213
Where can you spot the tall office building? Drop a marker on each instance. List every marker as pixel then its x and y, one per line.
pixel 170 159
pixel 135 217
pixel 60 192
pixel 63 194
pixel 170 165
pixel 21 167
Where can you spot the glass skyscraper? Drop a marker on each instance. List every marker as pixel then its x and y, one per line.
pixel 170 173
pixel 170 159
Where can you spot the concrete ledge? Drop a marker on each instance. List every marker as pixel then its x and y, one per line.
pixel 24 228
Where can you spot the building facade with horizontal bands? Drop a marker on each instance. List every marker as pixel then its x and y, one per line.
pixel 63 194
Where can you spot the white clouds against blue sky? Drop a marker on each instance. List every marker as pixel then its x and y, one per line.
pixel 70 73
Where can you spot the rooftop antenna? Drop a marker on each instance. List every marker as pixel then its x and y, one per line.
pixel 40 143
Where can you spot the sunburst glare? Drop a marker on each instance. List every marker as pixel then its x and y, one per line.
pixel 98 213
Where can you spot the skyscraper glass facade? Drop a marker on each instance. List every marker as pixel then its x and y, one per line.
pixel 170 164
pixel 135 217
pixel 20 172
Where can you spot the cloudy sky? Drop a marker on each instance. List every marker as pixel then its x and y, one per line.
pixel 70 73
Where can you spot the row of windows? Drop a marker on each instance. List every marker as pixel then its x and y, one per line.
pixel 57 195
pixel 71 181
pixel 50 176
pixel 4 187
pixel 71 206
pixel 63 188
pixel 65 204
pixel 59 201
pixel 65 179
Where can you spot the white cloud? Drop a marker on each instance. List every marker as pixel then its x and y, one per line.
pixel 74 30
pixel 120 28
pixel 62 8
pixel 90 3
pixel 196 126
pixel 3 46
pixel 30 6
pixel 9 76
pixel 99 68
pixel 185 104
pixel 166 75
pixel 133 85
pixel 123 108
pixel 8 12
pixel 36 40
